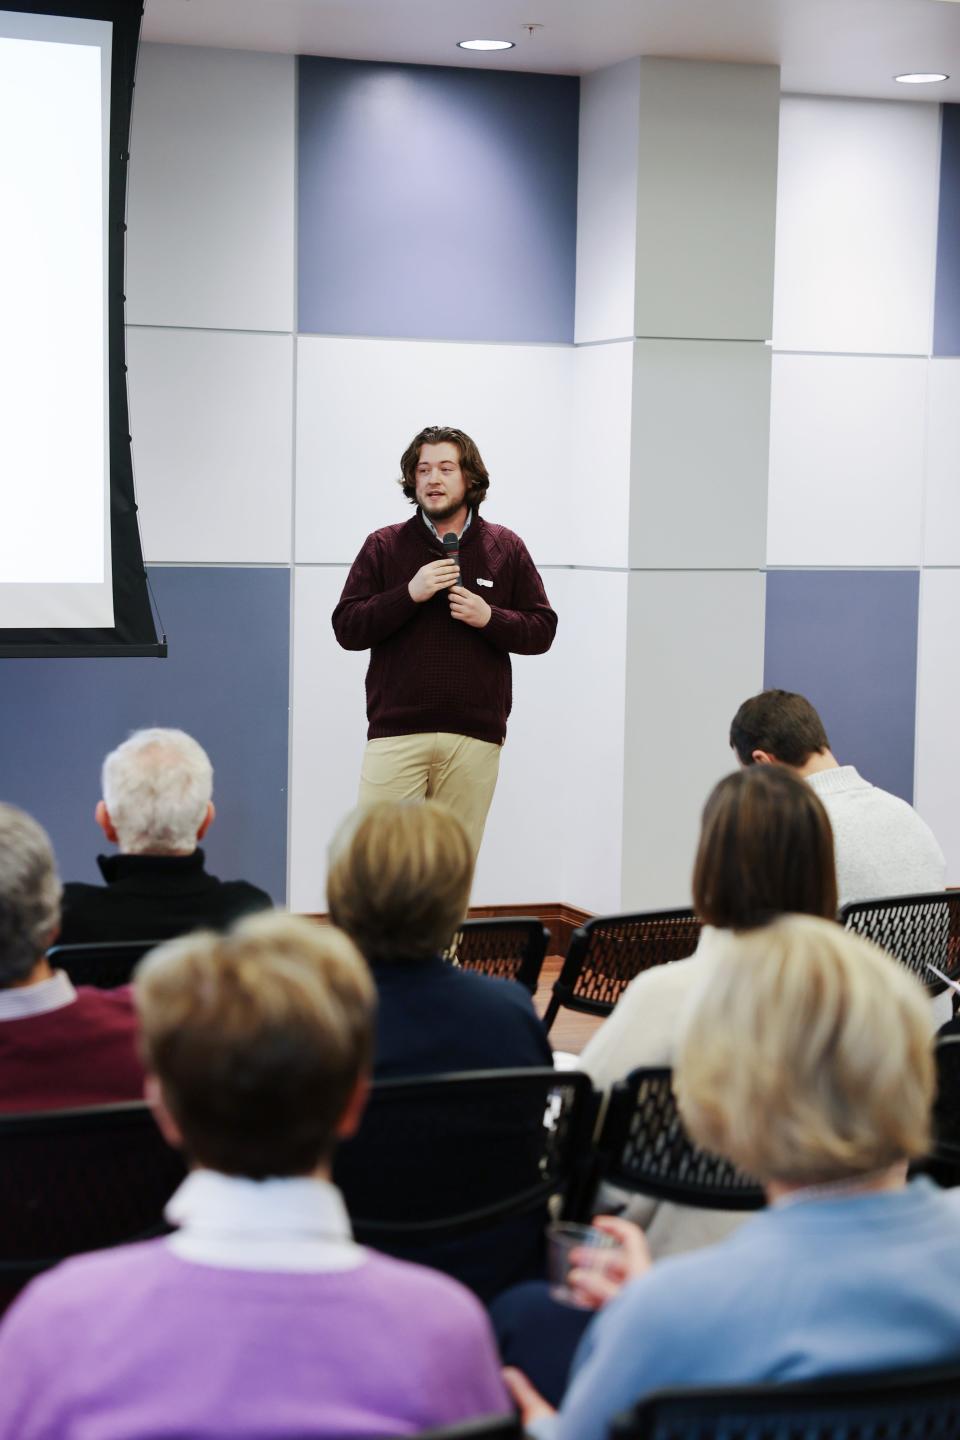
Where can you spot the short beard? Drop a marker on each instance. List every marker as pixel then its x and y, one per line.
pixel 437 517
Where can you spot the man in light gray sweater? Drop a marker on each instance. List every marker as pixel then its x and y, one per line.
pixel 882 845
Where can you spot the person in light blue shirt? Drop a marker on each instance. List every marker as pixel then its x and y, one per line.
pixel 806 1060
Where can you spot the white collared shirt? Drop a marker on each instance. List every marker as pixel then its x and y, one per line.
pixel 434 531
pixel 20 1001
pixel 294 1223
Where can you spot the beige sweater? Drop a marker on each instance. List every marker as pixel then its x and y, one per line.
pixel 643 1030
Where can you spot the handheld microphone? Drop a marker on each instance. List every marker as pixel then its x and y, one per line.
pixel 451 549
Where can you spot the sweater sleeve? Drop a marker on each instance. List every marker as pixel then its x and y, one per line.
pixel 529 625
pixel 367 613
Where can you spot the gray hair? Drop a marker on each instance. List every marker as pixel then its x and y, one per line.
pixel 157 786
pixel 29 894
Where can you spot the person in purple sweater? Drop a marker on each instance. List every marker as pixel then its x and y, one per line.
pixel 260 1316
pixel 440 631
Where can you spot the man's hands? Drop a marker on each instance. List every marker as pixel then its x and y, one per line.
pixel 443 575
pixel 594 1284
pixel 437 575
pixel 525 1396
pixel 471 609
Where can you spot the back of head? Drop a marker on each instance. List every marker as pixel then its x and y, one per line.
pixel 781 724
pixel 157 786
pixel 258 1039
pixel 807 1056
pixel 399 879
pixel 29 894
pixel 766 849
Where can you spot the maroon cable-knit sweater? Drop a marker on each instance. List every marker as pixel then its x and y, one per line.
pixel 428 671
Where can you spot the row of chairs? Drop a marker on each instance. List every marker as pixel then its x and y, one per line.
pixel 509 1141
pixel 606 953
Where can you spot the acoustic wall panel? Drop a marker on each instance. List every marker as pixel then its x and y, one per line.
pixel 941 542
pixel 938 703
pixel 846 460
pixel 226 681
pixel 847 639
pixel 522 854
pixel 437 203
pixel 700 451
pixel 211 418
pixel 360 402
pixel 694 651
pixel 707 179
pixel 211 205
pixel 946 320
pixel 856 225
pixel 607 202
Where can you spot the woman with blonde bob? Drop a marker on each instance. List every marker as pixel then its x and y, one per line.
pixel 806 1061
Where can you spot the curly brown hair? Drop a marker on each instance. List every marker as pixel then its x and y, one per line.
pixel 471 463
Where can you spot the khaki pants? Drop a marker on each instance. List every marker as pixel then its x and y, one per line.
pixel 455 769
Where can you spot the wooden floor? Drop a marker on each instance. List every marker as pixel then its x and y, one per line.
pixel 569 1031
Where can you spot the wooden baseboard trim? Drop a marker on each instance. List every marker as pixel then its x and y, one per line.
pixel 560 919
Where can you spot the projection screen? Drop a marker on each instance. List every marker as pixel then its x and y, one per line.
pixel 71 570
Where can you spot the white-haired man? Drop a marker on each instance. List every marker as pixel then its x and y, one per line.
pixel 157 805
pixel 59 1047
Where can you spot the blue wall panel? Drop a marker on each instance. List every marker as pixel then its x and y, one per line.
pixel 436 203
pixel 226 682
pixel 847 639
pixel 946 315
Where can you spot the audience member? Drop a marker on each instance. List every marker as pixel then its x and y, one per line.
pixel 765 850
pixel 260 1316
pixel 399 885
pixel 59 1047
pixel 156 806
pixel 807 1062
pixel 882 845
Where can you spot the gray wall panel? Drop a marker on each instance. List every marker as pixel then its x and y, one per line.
pixel 847 639
pixel 226 682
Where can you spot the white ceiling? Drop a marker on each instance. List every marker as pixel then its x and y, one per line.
pixel 834 47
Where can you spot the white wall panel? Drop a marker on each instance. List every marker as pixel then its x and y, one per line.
pixel 707 183
pixel 211 206
pixel 938 703
pixel 211 419
pixel 846 460
pixel 694 652
pixel 360 402
pixel 591 644
pixel 328 735
pixel 607 202
pixel 856 225
pixel 700 453
pixel 598 469
pixel 941 544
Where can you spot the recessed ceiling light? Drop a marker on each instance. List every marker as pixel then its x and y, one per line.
pixel 920 79
pixel 484 44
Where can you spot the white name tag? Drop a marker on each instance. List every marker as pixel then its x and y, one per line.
pixel 481 581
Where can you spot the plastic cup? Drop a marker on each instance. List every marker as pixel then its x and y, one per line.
pixel 593 1249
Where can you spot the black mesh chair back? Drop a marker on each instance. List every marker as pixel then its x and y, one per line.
pixel 511 948
pixel 496 1427
pixel 76 1180
pixel 609 951
pixel 446 1156
pixel 943 1162
pixel 919 930
pixel 920 1405
pixel 103 965
pixel 644 1147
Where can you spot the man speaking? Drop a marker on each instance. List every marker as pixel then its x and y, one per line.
pixel 440 602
